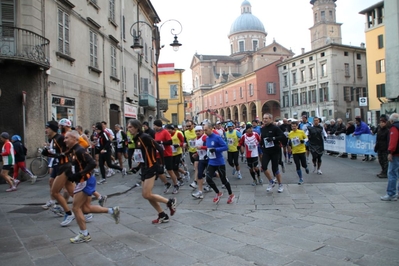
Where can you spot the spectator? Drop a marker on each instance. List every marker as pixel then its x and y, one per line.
pixel 381 146
pixel 350 129
pixel 362 128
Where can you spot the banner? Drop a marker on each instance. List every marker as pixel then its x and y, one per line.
pixel 362 144
pixel 335 143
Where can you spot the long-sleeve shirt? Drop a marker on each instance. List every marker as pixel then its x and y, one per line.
pixel 363 128
pixel 148 147
pixel 271 131
pixel 394 139
pixel 214 141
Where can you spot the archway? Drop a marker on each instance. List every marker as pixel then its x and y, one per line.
pixel 244 113
pixel 222 114
pixel 253 112
pixel 272 107
pixel 235 113
pixel 228 113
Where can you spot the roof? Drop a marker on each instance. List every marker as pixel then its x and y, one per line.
pixel 379 4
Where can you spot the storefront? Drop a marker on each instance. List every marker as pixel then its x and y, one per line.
pixel 62 107
pixel 130 112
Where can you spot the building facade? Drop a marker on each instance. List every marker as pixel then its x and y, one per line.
pixel 331 80
pixel 72 59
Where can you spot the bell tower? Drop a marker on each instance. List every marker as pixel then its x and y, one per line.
pixel 325 28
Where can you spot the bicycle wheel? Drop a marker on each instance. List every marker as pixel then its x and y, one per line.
pixel 39 167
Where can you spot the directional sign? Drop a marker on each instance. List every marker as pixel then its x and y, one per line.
pixel 362 101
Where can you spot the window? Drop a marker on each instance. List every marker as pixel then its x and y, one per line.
pixel 346 53
pixel 303 75
pixel 331 15
pixel 347 74
pixel 360 92
pixel 62 107
pixel 323 15
pixel 271 88
pixel 214 100
pixel 302 61
pixel 227 96
pixel 146 52
pixel 112 10
pixel 135 89
pixel 254 45
pixel 380 66
pixel 93 49
pixel 311 58
pixel 251 90
pixel 173 91
pixel 315 18
pixel 322 54
pixel 286 102
pixel 285 67
pixel 312 113
pixel 293 64
pixel 113 62
pixel 359 71
pixel 293 78
pixel 312 94
pixel 241 94
pixel 63 32
pixel 220 99
pixel 174 119
pixel 303 96
pixel 323 92
pixel 348 96
pixel 381 90
pixel 285 81
pixel 311 73
pixel 380 41
pixel 241 46
pixel 234 94
pixel 123 28
pixel 231 49
pixel 144 86
pixel 295 98
pixel 358 56
pixel 323 70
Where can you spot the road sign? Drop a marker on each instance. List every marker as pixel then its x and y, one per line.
pixel 362 101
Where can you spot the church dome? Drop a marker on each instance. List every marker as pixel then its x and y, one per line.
pixel 246 21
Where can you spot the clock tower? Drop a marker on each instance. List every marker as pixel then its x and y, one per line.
pixel 325 29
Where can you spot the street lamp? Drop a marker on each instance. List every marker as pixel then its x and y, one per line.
pixel 175 44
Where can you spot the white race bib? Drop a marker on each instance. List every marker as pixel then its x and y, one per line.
pixel 295 141
pixel 174 149
pixel 252 147
pixel 230 141
pixel 268 144
pixel 192 143
pixel 138 156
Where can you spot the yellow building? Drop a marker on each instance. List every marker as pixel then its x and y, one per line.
pixel 375 49
pixel 171 89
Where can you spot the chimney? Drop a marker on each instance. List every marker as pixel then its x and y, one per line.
pixel 303 50
pixel 362 44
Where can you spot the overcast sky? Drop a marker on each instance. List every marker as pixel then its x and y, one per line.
pixel 206 24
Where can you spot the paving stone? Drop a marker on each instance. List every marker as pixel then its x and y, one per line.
pixel 338 253
pixel 312 258
pixel 230 260
pixel 367 260
pixel 94 258
pixel 115 250
pixel 354 245
pixel 164 255
pixel 221 243
pixel 51 261
pixel 381 240
pixel 261 256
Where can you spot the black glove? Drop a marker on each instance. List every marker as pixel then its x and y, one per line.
pixel 176 145
pixel 212 150
pixel 269 139
pixel 75 177
pixel 302 141
pixel 159 141
pixel 45 152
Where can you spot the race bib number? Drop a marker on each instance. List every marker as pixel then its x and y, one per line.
pixel 230 142
pixel 174 149
pixel 138 156
pixel 211 155
pixel 201 154
pixel 191 143
pixel 79 187
pixel 269 144
pixel 252 147
pixel 295 141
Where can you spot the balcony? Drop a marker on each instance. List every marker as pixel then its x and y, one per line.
pixel 147 100
pixel 24 45
pixel 163 105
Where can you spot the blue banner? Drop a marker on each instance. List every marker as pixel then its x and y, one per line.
pixel 362 144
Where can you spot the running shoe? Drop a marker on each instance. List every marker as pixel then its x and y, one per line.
pixel 16 182
pixel 33 179
pixel 13 188
pixel 67 219
pixel 198 195
pixel 116 214
pixel 216 199
pixel 239 176
pixel 270 186
pixel 166 188
pixel 80 238
pixel 260 180
pixel 160 220
pixel 234 171
pixel 230 199
pixel 300 182
pixel 319 172
pixel 389 198
pixel 88 217
pixel 283 168
pixel 193 185
pixel 280 188
pixel 314 170
pixel 180 182
pixel 175 189
pixel 124 172
pixel 254 183
pixel 58 210
pixel 102 181
pixel 187 176
pixel 307 170
pixel 172 206
pixel 49 204
pixel 207 188
pixel 102 200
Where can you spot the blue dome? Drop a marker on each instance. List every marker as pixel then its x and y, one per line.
pixel 246 21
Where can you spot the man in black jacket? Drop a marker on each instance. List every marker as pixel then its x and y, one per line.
pixel 271 137
pixel 381 146
pixel 148 130
pixel 20 153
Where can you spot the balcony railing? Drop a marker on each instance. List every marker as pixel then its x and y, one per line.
pixel 147 100
pixel 163 105
pixel 25 45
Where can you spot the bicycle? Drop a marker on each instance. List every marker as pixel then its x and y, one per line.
pixel 39 165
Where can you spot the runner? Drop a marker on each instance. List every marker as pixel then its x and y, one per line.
pixel 296 143
pixel 20 153
pixel 250 142
pixel 7 152
pixel 202 162
pixel 233 136
pixel 316 135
